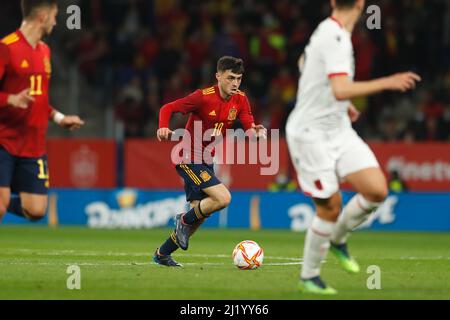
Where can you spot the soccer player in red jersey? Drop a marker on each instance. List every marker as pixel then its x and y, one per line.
pixel 214 109
pixel 25 72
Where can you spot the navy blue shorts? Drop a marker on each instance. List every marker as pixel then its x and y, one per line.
pixel 197 177
pixel 29 175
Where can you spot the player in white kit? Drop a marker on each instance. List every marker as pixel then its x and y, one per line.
pixel 324 147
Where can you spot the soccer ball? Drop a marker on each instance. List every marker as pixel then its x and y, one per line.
pixel 248 255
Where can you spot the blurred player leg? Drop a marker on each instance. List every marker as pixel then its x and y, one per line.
pixel 5 194
pixel 15 207
pixel 31 181
pixel 7 168
pixel 370 185
pixel 372 190
pixel 317 244
pixel 29 206
pixel 34 205
pixel 314 165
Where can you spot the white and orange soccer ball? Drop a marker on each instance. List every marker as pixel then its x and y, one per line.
pixel 248 255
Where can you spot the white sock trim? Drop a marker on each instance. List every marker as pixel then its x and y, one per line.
pixel 317 242
pixel 366 205
pixel 322 227
pixel 355 212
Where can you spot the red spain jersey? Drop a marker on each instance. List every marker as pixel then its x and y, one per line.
pixel 23 131
pixel 210 112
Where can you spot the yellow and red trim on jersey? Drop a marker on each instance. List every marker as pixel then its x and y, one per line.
pixel 10 39
pixel 209 91
pixel 336 74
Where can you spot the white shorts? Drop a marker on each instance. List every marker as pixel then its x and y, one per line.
pixel 323 160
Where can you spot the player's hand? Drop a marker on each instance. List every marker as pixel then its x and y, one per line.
pixel 20 100
pixel 72 122
pixel 353 113
pixel 164 134
pixel 402 81
pixel 260 131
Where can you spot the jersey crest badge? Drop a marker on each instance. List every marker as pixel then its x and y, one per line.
pixel 205 176
pixel 232 115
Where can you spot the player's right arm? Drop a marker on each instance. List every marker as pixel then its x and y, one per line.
pixel 19 100
pixel 184 105
pixel 345 89
pixel 336 52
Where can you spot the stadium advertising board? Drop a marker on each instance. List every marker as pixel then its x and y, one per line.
pixel 423 167
pixel 135 209
pixel 82 163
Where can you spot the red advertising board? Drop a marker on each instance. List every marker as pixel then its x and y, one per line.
pixel 148 165
pixel 424 167
pixel 82 163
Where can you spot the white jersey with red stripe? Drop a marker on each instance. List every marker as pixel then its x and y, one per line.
pixel 329 53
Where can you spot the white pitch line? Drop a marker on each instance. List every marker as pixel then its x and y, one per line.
pixel 425 258
pixel 297 261
pixel 264 264
pixel 229 256
pixel 81 253
pixel 120 254
pixel 128 264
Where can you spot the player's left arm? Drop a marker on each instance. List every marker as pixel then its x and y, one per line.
pixel 71 122
pixel 248 120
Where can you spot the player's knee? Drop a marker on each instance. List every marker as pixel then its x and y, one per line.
pixel 378 194
pixel 333 213
pixel 3 210
pixel 35 213
pixel 35 216
pixel 223 200
pixel 328 210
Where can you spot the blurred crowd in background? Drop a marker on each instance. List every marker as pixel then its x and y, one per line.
pixel 142 54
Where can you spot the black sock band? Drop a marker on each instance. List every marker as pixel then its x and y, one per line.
pixel 15 207
pixel 192 216
pixel 169 246
pixel 200 212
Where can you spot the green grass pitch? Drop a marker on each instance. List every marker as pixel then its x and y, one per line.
pixel 116 264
